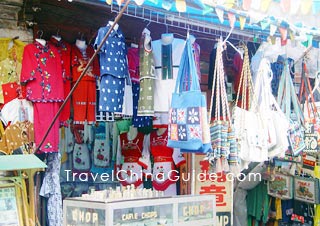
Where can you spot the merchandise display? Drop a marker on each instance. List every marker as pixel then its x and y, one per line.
pixel 159 112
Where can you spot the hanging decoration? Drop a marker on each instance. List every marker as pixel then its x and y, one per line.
pixel 220 14
pixel 181 5
pixel 232 19
pixel 273 29
pixel 306 7
pixel 285 5
pixel 242 21
pixel 264 6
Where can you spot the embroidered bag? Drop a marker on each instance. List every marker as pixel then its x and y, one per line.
pixel 223 141
pixel 101 150
pixel 288 100
pixel 188 127
pixel 248 123
pixel 274 119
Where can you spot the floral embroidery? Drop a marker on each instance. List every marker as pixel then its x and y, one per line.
pixel 182 133
pixel 52 54
pixel 46 75
pixel 48 87
pixel 193 115
pixel 48 145
pixel 173 115
pixel 32 73
pixel 173 131
pixel 181 116
pixel 194 132
pixel 43 61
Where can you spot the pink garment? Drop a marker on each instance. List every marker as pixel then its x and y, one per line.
pixel 42 73
pixel 133 63
pixel 43 115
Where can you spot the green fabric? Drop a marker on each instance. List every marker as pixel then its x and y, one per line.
pixel 258 203
pixel 123 126
pixel 167 62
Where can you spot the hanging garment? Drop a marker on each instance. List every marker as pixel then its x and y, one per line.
pixel 64 50
pixel 51 190
pixel 9 73
pixel 19 134
pixel 84 96
pixel 166 159
pixel 131 151
pixel 43 115
pixel 18 110
pixel 167 53
pixel 133 64
pixel 42 73
pixel 138 121
pixel 101 151
pixel 4 46
pixel 146 98
pixel 113 68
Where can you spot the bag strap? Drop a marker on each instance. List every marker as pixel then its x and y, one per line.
pixel 246 83
pixel 219 88
pixel 187 71
pixel 306 90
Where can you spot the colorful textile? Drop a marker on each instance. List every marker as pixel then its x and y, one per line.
pixel 42 73
pixel 43 115
pixel 20 134
pixel 84 96
pixel 165 160
pixel 111 93
pixel 113 54
pixel 133 64
pixel 146 96
pixel 163 88
pixel 130 150
pixel 84 102
pixel 17 110
pixel 138 121
pixel 9 73
pixel 51 190
pixel 64 49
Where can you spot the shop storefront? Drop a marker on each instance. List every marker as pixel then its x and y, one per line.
pixel 159 112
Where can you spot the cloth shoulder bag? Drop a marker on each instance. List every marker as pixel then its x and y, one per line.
pixel 275 121
pixel 288 100
pixel 249 127
pixel 223 141
pixel 188 128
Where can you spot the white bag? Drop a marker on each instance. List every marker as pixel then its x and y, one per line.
pixel 251 135
pixel 274 119
pixel 127 107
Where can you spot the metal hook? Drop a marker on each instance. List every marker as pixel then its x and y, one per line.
pixel 148 23
pixel 58 31
pixel 41 34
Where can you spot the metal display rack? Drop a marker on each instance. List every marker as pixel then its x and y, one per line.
pixel 204 24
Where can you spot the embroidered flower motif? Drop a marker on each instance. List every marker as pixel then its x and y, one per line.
pixel 193 116
pixel 43 61
pixel 48 145
pixel 182 132
pixel 32 73
pixel 174 115
pixel 52 54
pixel 48 87
pixel 181 115
pixel 195 132
pixel 46 75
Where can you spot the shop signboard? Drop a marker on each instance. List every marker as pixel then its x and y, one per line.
pixel 206 183
pixel 80 214
pixel 311 139
pixel 9 211
pixel 145 215
pixel 306 189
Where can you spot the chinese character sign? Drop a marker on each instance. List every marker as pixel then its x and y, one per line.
pixel 207 182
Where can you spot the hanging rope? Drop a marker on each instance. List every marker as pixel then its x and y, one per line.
pixel 83 73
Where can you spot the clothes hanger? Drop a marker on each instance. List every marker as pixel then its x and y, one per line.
pixel 57 36
pixel 39 39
